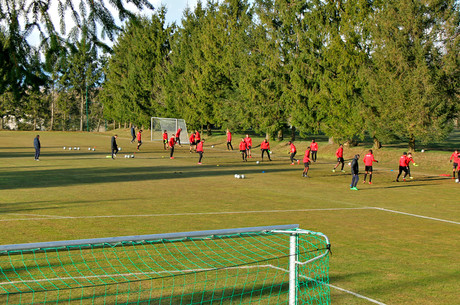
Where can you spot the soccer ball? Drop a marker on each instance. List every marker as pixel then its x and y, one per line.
pixel 94 149
pixel 212 146
pixel 63 147
pixel 89 148
pixel 75 148
pixel 119 148
pixel 422 150
pixel 78 148
pixel 257 162
pixel 132 156
pixel 349 163
pixel 242 176
pixel 456 180
pixel 70 148
pixel 236 176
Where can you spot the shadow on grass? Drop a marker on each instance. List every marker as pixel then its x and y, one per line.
pixel 91 175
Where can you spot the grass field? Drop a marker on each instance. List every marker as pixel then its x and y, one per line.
pixel 396 243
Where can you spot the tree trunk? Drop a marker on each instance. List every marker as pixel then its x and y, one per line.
pixel 124 126
pixel 114 124
pixel 377 143
pixel 82 108
pixel 98 125
pixel 208 129
pixel 119 125
pixel 52 110
pixel 292 133
pixel 1 122
pixel 267 135
pixel 351 143
pixel 330 140
pixel 280 135
pixel 412 143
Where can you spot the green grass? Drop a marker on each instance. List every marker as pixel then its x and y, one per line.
pixel 393 258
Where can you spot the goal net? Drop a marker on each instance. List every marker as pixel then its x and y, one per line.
pixel 171 125
pixel 263 265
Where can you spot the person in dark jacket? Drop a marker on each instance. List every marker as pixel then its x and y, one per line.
pixel 37 147
pixel 114 146
pixel 133 133
pixel 355 173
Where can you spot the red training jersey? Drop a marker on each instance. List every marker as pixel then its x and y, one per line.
pixel 199 146
pixel 229 136
pixel 172 141
pixel 306 157
pixel 178 133
pixel 314 146
pixel 165 136
pixel 339 152
pixel 139 135
pixel 369 159
pixel 197 136
pixel 265 145
pixel 192 138
pixel 455 157
pixel 293 149
pixel 243 145
pixel 403 161
pixel 409 160
pixel 248 141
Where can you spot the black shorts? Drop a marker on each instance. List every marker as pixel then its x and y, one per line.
pixel 368 168
pixel 242 151
pixel 165 141
pixel 455 165
pixel 306 164
pixel 197 141
pixel 249 147
pixel 140 142
pixel 340 160
pixel 403 169
pixel 192 143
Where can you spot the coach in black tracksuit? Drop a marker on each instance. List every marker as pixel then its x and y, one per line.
pixel 114 146
pixel 355 173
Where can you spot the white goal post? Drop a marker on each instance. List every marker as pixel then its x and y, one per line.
pixel 171 125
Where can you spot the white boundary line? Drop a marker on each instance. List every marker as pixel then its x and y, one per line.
pixel 187 214
pixel 419 216
pixel 181 271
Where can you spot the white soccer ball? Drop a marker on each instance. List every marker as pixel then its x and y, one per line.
pixel 236 176
pixel 75 148
pixel 242 176
pixel 132 156
pixel 422 150
pixel 119 148
pixel 212 146
pixel 456 180
pixel 271 152
pixel 70 148
pixel 63 147
pixel 89 148
pixel 94 149
pixel 78 148
pixel 349 163
pixel 257 162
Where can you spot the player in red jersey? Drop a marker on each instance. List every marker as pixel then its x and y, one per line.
pixel 402 166
pixel 171 143
pixel 229 140
pixel 199 150
pixel 197 137
pixel 339 155
pixel 248 141
pixel 314 150
pixel 368 161
pixel 409 160
pixel 455 158
pixel 265 147
pixel 306 162
pixel 243 150
pixel 139 139
pixel 178 136
pixel 165 140
pixel 293 151
pixel 192 141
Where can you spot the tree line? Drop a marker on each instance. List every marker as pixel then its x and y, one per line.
pixel 346 68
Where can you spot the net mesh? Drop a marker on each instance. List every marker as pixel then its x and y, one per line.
pixel 159 125
pixel 230 269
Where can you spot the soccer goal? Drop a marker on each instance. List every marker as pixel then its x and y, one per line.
pixel 263 265
pixel 171 125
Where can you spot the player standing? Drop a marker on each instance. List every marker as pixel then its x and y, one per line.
pixel 139 139
pixel 306 162
pixel 165 140
pixel 409 160
pixel 314 150
pixel 293 151
pixel 265 147
pixel 402 166
pixel 133 133
pixel 248 141
pixel 368 161
pixel 178 136
pixel 243 150
pixel 339 155
pixel 114 146
pixel 455 157
pixel 37 147
pixel 199 150
pixel 172 142
pixel 229 140
pixel 197 137
pixel 192 141
pixel 355 173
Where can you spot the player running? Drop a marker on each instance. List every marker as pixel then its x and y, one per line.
pixel 178 136
pixel 368 161
pixel 229 140
pixel 248 141
pixel 139 139
pixel 265 147
pixel 314 150
pixel 355 173
pixel 114 146
pixel 171 143
pixel 402 166
pixel 339 155
pixel 199 150
pixel 192 141
pixel 306 162
pixel 244 150
pixel 293 151
pixel 165 140
pixel 455 157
